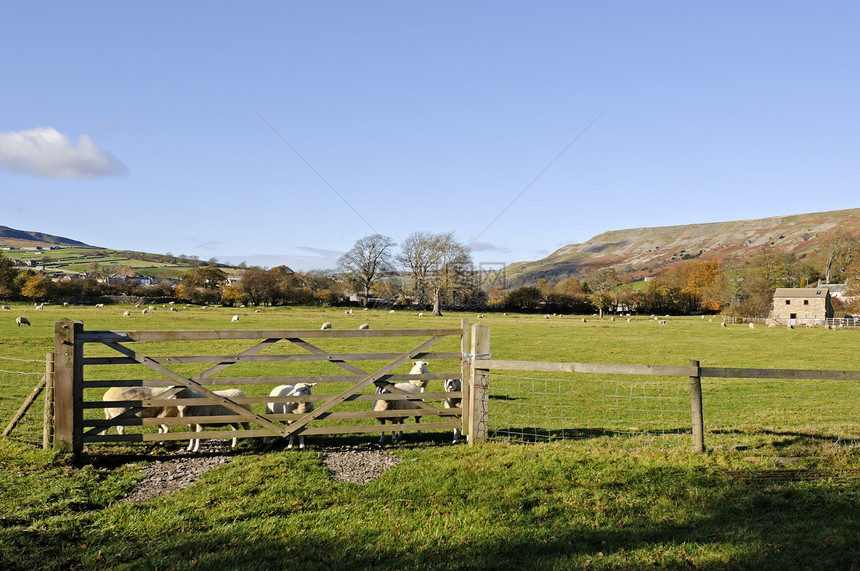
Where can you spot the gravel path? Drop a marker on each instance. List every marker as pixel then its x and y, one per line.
pixel 356 464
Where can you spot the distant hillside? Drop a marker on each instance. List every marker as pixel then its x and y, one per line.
pixel 641 252
pixel 21 238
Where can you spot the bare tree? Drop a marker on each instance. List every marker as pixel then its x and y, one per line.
pixel 369 259
pixel 438 265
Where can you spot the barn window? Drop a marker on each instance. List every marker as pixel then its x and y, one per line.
pixel 805 302
pixel 788 302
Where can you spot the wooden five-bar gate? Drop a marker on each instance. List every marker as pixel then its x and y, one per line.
pixel 78 352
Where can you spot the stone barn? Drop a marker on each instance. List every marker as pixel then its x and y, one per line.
pixel 795 306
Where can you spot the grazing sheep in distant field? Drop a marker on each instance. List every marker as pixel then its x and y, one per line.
pixel 385 405
pixel 366 309
pixel 390 312
pixel 257 311
pixel 480 316
pixel 152 308
pixel 6 308
pixel 143 311
pixel 723 324
pixel 136 305
pixel 19 321
pixel 420 315
pixel 710 320
pixel 453 386
pixel 173 309
pixel 790 326
pixel 752 325
pixel 703 317
pixel 65 303
pixel 289 407
pixel 126 314
pixel 191 411
pixel 662 322
pixel 419 368
pixel 235 319
pixel 612 319
pixel 629 320
pixel 100 305
pixel 39 307
pixel 348 312
pixel 364 326
pixel 584 320
pixel 138 393
pixel 326 325
pixel 172 303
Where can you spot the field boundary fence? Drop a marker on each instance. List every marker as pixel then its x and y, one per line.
pixel 26 400
pixel 687 405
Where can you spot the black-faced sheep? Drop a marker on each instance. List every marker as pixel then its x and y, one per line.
pixel 453 386
pixel 191 411
pixel 299 389
pixel 19 321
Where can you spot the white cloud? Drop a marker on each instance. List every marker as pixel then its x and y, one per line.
pixel 46 152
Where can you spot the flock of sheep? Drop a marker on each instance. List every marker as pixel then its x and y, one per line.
pixel 282 406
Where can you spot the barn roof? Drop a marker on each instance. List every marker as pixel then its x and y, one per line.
pixel 807 292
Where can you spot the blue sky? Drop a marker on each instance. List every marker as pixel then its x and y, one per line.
pixel 282 132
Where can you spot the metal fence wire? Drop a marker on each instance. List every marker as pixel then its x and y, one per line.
pixel 657 412
pixel 18 379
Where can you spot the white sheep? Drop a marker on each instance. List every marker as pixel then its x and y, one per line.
pixel 419 368
pixel 19 321
pixel 143 311
pixel 326 325
pixel 723 324
pixel 364 326
pixel 6 308
pixel 126 314
pixel 138 393
pixel 235 319
pixel 191 411
pixel 41 306
pixel 584 320
pixel 453 386
pixel 420 315
pixel 297 390
pixel 98 305
pixel 385 405
pixel 391 312
pixel 752 326
pixel 173 309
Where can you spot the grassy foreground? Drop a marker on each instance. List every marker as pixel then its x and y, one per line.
pixel 553 506
pixel 594 502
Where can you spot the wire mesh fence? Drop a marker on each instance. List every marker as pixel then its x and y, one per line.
pixel 19 379
pixel 737 412
pixel 535 409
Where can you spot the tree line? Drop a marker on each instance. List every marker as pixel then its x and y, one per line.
pixel 436 271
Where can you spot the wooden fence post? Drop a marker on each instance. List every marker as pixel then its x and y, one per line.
pixel 465 371
pixel 68 386
pixel 696 406
pixel 48 418
pixel 479 380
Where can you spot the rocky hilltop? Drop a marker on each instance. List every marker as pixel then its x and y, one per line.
pixel 641 252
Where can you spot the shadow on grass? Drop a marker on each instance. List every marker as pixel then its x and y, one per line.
pixel 740 527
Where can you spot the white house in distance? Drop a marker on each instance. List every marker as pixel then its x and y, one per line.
pixel 794 306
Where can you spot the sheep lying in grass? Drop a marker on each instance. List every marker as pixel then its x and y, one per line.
pixel 385 405
pixel 297 390
pixel 453 386
pixel 138 393
pixel 191 411
pixel 364 326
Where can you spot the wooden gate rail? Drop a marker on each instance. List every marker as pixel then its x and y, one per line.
pixel 70 338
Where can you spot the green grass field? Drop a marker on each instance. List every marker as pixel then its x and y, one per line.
pixel 613 496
